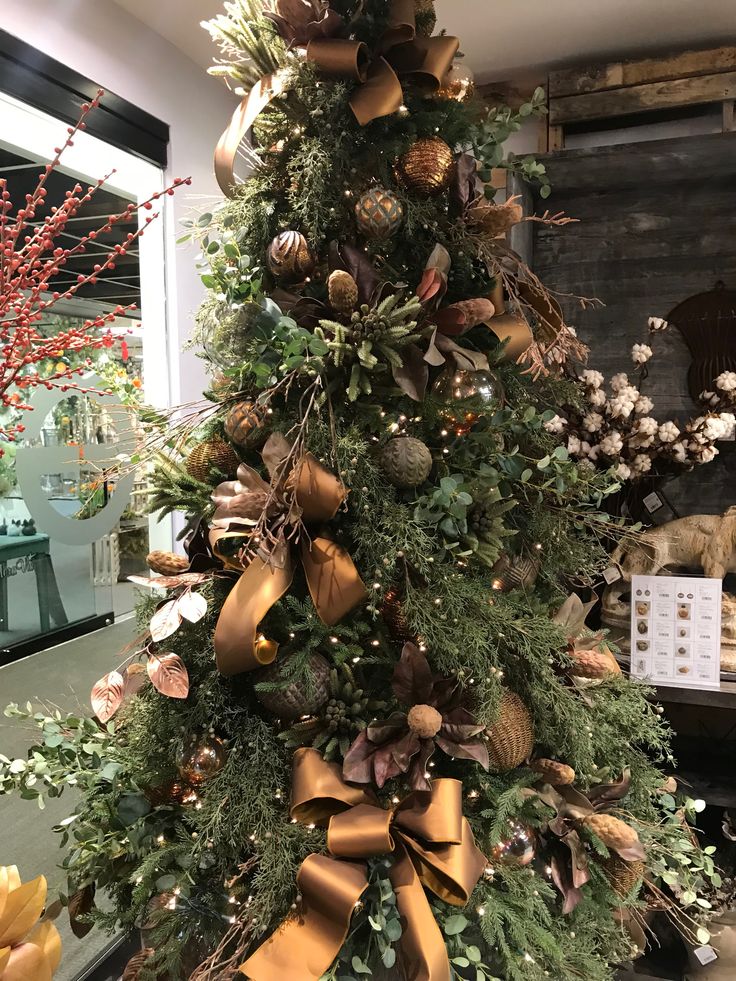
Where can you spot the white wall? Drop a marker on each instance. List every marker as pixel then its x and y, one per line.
pixel 100 40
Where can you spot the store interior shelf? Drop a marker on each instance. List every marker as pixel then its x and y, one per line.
pixel 725 697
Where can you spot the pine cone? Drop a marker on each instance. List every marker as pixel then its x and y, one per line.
pixel 511 737
pixel 392 612
pixel 343 292
pixel 593 664
pixel 211 461
pixel 243 422
pixel 613 832
pixel 623 876
pixel 494 219
pixel 552 772
pixel 167 563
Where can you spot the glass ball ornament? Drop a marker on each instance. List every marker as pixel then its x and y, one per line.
pixel 517 849
pixel 227 333
pixel 290 258
pixel 378 213
pixel 200 758
pixel 458 83
pixel 454 387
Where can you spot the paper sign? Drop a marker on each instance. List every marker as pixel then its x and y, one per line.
pixel 676 631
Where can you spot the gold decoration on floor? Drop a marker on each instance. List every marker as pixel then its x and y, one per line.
pixel 426 167
pixel 378 214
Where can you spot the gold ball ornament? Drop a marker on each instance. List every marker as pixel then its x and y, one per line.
pixel 510 739
pixel 201 757
pixel 426 167
pixel 167 563
pixel 406 461
pixel 515 572
pixel 290 258
pixel 454 387
pixel 212 461
pixel 243 423
pixel 517 849
pixel 342 291
pixel 378 213
pixel 457 84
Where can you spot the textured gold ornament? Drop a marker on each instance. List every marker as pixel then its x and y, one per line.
pixel 510 739
pixel 167 563
pixel 453 387
pixel 201 758
pixel 515 572
pixel 426 17
pixel 622 876
pixel 517 849
pixel 342 291
pixel 212 460
pixel 457 84
pixel 406 461
pixel 303 696
pixel 426 167
pixel 379 213
pixel 289 257
pixel 243 423
pixel 553 772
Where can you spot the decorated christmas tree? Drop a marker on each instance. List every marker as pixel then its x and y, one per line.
pixel 365 730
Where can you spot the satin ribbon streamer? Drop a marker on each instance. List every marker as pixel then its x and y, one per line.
pixel 424 60
pixel 432 846
pixel 333 580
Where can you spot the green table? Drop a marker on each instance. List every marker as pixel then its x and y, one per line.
pixel 26 553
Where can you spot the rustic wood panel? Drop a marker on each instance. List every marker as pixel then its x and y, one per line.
pixel 597 78
pixel 698 90
pixel 642 245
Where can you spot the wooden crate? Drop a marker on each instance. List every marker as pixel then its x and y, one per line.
pixel 622 89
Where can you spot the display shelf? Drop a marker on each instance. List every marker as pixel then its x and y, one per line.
pixel 724 697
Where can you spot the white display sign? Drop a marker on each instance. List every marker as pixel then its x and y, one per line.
pixel 676 631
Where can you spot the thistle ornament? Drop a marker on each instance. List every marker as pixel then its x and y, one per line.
pixel 342 291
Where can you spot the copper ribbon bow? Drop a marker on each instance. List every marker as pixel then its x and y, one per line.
pixel 379 93
pixel 300 493
pixel 433 848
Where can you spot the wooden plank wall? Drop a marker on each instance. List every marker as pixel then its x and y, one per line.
pixel 657 225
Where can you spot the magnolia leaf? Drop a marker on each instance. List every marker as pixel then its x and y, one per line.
pixel 135 678
pixel 81 903
pixel 165 621
pixel 107 695
pixel 192 606
pixel 169 674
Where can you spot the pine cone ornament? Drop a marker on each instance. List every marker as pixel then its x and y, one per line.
pixel 211 461
pixel 494 219
pixel 167 563
pixel 510 739
pixel 393 615
pixel 425 16
pixel 593 664
pixel 303 697
pixel 613 832
pixel 243 423
pixel 623 876
pixel 406 461
pixel 552 772
pixel 342 291
pixel 426 167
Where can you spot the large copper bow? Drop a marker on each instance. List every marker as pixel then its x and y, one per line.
pixel 301 492
pixel 432 846
pixel 401 54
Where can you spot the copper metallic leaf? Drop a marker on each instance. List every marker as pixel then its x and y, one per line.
pixel 192 606
pixel 165 621
pixel 169 674
pixel 107 695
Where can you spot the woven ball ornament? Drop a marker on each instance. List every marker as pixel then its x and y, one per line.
pixel 342 291
pixel 167 563
pixel 378 213
pixel 406 461
pixel 302 697
pixel 212 460
pixel 290 258
pixel 243 423
pixel 510 739
pixel 623 877
pixel 426 167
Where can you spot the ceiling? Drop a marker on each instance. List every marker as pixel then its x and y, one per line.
pixel 505 38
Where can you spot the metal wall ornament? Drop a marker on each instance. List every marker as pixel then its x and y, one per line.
pixel 707 322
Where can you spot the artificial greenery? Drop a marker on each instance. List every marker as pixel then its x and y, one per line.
pixel 212 871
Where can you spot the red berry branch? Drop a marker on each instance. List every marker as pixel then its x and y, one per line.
pixel 30 258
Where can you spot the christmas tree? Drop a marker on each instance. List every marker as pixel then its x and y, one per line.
pixel 365 731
